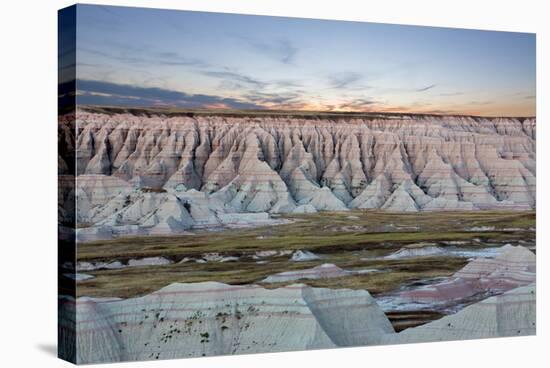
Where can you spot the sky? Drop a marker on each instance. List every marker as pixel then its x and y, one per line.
pixel 149 57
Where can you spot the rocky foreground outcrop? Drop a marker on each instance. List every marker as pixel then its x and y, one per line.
pixel 187 320
pixel 510 314
pixel 204 319
pixel 175 173
pixel 512 267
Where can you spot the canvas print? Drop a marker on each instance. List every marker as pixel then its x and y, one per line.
pixel 235 184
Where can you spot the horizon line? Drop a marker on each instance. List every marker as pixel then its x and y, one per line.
pixel 228 111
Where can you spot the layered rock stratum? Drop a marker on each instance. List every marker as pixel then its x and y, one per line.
pixel 512 267
pixel 187 320
pixel 204 319
pixel 510 314
pixel 171 173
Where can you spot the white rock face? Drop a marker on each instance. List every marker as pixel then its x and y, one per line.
pixel 510 314
pixel 194 169
pixel 204 319
pixel 148 261
pixel 186 320
pixel 485 162
pixel 270 253
pixel 78 276
pixel 303 256
pixel 90 266
pixel 417 251
pixel 140 262
pixel 216 257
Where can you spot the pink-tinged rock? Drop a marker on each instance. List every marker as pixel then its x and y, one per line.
pixel 510 314
pixel 400 163
pixel 511 268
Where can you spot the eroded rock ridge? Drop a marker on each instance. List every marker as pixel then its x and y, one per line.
pixel 127 165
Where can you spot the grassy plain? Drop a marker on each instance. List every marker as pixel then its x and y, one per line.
pixel 353 240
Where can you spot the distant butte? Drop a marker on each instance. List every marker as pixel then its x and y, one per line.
pixel 130 161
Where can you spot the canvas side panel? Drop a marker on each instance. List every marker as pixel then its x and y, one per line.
pixel 66 184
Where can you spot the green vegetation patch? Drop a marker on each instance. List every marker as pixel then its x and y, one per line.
pixel 355 240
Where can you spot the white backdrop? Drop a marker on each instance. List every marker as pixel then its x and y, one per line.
pixel 28 194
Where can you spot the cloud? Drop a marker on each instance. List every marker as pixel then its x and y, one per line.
pixel 530 97
pixel 92 92
pixel 253 87
pixel 426 88
pixel 237 78
pixel 343 80
pixel 281 50
pixel 359 104
pixel 274 98
pixel 105 93
pixel 128 55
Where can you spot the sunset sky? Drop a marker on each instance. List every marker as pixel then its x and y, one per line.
pixel 147 57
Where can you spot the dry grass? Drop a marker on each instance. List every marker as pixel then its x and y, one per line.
pixel 351 243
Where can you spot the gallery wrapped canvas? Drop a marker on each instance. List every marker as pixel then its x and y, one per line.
pixel 235 184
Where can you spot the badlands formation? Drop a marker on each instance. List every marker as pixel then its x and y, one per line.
pixel 510 268
pixel 211 318
pixel 156 174
pixel 159 174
